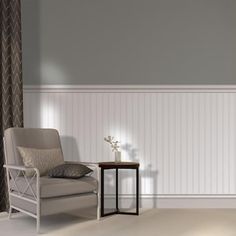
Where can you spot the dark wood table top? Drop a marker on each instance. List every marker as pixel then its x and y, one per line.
pixel 123 164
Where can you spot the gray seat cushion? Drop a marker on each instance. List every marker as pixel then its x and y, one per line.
pixel 56 187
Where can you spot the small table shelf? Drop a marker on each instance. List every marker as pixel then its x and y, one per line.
pixel 116 166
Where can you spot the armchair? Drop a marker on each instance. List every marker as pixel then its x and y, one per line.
pixel 41 195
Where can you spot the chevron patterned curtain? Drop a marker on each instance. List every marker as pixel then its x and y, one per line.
pixel 11 99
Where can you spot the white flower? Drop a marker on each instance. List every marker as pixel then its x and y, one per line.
pixel 114 144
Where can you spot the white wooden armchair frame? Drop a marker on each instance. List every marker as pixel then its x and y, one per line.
pixel 13 172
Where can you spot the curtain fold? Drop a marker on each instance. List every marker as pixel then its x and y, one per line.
pixel 11 99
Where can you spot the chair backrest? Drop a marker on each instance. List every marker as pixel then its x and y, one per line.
pixel 28 137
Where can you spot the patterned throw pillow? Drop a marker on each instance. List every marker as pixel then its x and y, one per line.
pixel 73 171
pixel 42 159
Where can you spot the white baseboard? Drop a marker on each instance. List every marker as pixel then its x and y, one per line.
pixel 171 201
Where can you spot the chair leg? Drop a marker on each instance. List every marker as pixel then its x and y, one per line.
pixel 38 224
pixel 98 205
pixel 9 213
pixel 98 212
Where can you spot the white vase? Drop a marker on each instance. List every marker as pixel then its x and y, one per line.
pixel 117 156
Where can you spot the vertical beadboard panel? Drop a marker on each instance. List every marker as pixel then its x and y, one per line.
pixel 184 141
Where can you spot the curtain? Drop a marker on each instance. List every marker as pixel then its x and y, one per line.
pixel 11 94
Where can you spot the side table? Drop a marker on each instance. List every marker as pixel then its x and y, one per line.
pixel 116 166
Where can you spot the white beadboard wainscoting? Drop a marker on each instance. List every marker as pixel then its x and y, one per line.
pixel 183 136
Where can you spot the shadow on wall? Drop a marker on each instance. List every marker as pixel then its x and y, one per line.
pixel 70 148
pixel 146 172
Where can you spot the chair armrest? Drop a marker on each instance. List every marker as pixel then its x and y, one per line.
pixel 18 170
pixel 21 168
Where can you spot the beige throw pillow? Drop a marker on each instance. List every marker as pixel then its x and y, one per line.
pixel 42 159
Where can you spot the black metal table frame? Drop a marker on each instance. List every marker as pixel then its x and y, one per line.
pixel 117 211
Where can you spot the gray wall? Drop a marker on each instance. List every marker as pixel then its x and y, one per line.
pixel 129 41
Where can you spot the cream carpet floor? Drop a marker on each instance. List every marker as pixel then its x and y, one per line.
pixel 163 222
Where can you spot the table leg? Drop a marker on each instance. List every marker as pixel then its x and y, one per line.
pixel 137 191
pixel 102 192
pixel 117 195
pixel 117 190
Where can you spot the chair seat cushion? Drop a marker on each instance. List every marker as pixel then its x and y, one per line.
pixel 56 187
